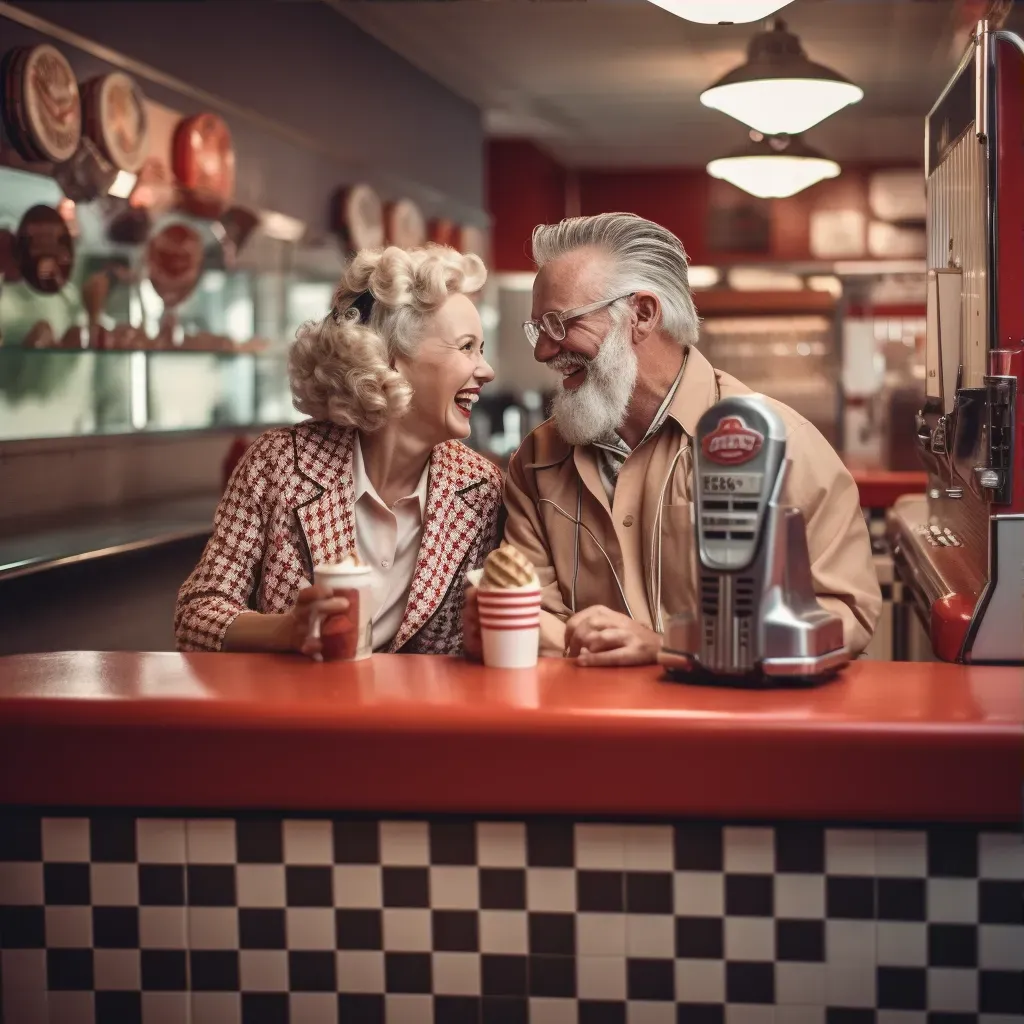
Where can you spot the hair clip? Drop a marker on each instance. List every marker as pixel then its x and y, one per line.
pixel 362 304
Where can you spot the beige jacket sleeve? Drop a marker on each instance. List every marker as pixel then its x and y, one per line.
pixel 844 574
pixel 524 530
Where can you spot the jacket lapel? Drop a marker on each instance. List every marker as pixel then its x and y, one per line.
pixel 324 506
pixel 452 523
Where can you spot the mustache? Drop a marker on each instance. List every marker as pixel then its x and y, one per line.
pixel 567 361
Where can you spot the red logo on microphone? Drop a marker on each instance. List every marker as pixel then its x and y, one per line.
pixel 732 442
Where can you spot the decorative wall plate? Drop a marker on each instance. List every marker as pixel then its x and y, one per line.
pixel 359 218
pixel 441 231
pixel 473 239
pixel 114 110
pixel 42 108
pixel 404 224
pixel 204 163
pixel 174 258
pixel 44 250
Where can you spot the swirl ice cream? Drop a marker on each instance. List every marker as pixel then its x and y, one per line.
pixel 509 599
pixel 507 567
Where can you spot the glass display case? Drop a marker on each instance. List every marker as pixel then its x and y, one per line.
pixel 219 359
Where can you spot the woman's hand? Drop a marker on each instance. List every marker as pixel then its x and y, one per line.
pixel 319 599
pixel 287 631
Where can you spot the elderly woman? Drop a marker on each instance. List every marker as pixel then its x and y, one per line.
pixel 389 378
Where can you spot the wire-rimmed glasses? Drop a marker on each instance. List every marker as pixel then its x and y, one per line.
pixel 553 323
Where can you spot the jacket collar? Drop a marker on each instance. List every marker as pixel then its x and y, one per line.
pixel 325 460
pixel 453 520
pixel 696 393
pixel 324 509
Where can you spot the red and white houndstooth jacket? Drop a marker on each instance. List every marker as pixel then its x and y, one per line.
pixel 289 507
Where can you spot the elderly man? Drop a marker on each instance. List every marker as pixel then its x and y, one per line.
pixel 599 495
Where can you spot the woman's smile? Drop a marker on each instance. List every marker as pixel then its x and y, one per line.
pixel 466 399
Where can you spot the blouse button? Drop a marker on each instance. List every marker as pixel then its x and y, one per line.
pixel 384 563
pixel 628 521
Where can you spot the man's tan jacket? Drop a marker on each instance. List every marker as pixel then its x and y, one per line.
pixel 551 484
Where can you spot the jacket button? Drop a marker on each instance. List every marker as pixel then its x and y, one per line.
pixel 628 521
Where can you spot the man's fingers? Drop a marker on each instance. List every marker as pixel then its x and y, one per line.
pixel 618 657
pixel 606 640
pixel 575 640
pixel 595 637
pixel 585 617
pixel 585 624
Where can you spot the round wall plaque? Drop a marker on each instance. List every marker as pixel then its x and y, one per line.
pixel 42 108
pixel 44 250
pixel 204 163
pixel 360 218
pixel 114 109
pixel 405 225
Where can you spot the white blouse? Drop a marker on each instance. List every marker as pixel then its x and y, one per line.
pixel 388 541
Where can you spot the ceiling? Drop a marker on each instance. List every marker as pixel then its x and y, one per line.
pixel 606 83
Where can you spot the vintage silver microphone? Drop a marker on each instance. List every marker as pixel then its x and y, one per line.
pixel 758 621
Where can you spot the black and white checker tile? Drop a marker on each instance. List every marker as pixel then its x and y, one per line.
pixel 263 919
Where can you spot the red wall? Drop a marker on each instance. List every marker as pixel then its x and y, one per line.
pixel 677 198
pixel 527 187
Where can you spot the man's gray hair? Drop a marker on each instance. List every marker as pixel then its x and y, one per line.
pixel 645 256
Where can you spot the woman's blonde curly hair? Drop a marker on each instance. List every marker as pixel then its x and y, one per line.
pixel 342 370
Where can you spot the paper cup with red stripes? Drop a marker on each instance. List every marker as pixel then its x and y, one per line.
pixel 509 624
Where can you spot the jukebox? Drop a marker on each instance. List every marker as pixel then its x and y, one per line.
pixel 959 548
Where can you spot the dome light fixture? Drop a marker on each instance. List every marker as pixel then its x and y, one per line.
pixel 722 12
pixel 778 91
pixel 774 167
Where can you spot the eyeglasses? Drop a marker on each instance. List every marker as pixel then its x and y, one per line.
pixel 553 324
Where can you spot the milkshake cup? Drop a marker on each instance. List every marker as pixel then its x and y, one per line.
pixel 508 599
pixel 348 636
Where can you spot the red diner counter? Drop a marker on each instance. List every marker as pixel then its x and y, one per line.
pixel 251 838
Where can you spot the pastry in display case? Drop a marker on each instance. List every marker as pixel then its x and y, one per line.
pixel 44 250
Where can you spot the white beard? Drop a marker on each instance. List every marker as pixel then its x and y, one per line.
pixel 598 406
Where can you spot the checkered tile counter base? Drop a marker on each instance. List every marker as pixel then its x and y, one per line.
pixel 267 919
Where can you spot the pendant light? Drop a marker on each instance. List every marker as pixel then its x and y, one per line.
pixel 778 91
pixel 722 12
pixel 774 167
